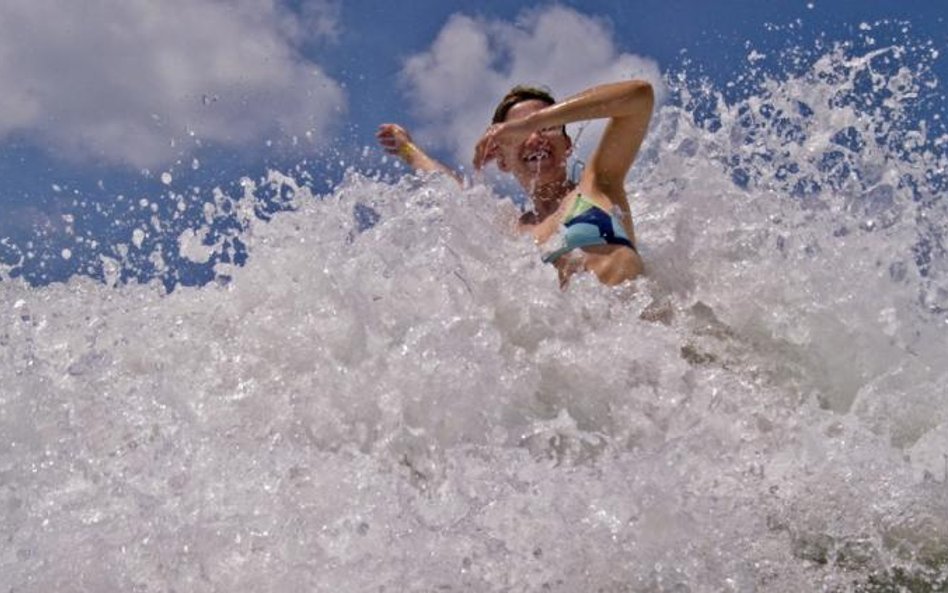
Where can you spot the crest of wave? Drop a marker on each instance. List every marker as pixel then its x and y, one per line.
pixel 808 214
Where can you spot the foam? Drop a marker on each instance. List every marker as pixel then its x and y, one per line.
pixel 393 393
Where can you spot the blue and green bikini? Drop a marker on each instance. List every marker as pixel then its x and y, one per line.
pixel 588 224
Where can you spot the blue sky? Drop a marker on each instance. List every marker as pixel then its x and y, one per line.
pixel 139 99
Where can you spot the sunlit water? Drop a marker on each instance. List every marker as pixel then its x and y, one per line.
pixel 394 395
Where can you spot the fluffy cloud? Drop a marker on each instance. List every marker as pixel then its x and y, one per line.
pixel 454 86
pixel 132 81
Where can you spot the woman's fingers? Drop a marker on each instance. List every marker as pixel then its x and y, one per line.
pixel 486 148
pixel 479 154
pixel 392 137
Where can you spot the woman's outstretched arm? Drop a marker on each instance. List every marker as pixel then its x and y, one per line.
pixel 397 141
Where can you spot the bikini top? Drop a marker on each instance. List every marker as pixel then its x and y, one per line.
pixel 588 224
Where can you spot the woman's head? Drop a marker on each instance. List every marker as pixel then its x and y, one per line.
pixel 541 158
pixel 518 94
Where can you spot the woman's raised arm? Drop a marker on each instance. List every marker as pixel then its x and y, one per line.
pixel 628 105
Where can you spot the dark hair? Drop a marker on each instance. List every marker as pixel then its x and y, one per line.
pixel 519 94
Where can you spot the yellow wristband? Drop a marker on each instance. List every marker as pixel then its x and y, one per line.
pixel 406 149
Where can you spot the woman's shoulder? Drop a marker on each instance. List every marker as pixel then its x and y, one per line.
pixel 589 190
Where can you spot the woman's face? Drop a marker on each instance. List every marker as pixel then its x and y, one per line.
pixel 541 158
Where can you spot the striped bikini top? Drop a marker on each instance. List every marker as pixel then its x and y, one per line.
pixel 588 224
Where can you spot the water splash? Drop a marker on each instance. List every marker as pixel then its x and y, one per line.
pixel 393 394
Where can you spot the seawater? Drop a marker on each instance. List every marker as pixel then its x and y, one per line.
pixel 393 394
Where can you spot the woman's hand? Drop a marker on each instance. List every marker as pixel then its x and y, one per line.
pixel 486 148
pixel 506 133
pixel 395 140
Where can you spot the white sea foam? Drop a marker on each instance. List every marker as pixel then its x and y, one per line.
pixel 393 394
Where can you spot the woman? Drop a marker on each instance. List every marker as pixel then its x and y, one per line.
pixel 528 139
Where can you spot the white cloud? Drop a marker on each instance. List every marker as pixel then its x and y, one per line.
pixel 454 86
pixel 128 81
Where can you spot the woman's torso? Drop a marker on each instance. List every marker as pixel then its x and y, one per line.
pixel 612 263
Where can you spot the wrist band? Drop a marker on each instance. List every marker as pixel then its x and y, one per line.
pixel 405 150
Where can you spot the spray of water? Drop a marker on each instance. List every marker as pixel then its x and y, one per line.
pixel 394 395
